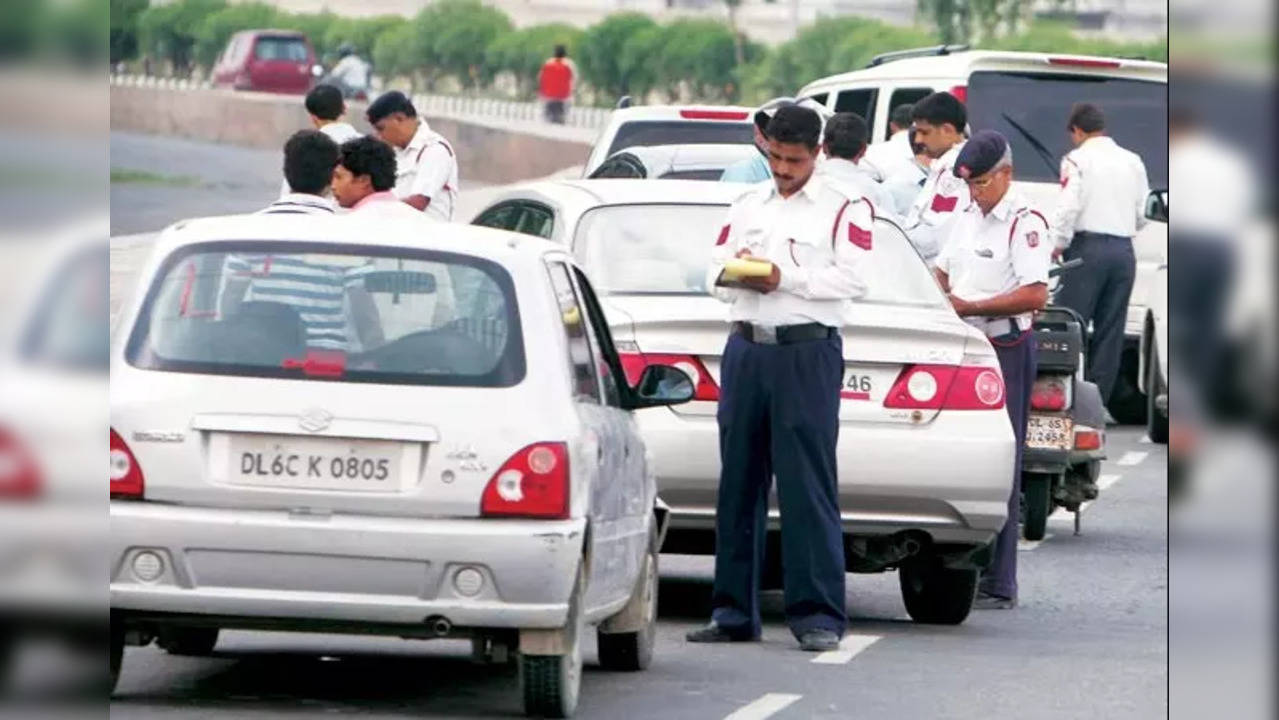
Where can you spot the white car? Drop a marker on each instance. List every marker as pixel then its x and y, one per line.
pixel 1027 97
pixel 389 427
pixel 925 447
pixel 1154 337
pixel 646 125
pixel 674 162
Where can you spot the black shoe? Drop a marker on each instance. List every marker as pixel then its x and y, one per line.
pixel 990 601
pixel 715 634
pixel 818 641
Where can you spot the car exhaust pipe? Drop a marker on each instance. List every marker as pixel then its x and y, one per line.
pixel 439 625
pixel 910 546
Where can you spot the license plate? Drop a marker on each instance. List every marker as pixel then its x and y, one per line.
pixel 858 385
pixel 1049 432
pixel 315 463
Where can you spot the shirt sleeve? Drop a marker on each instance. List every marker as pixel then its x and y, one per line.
pixel 1143 189
pixel 843 279
pixel 1029 249
pixel 726 248
pixel 433 171
pixel 1070 203
pixel 928 222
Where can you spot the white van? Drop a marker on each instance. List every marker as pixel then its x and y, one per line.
pixel 1027 97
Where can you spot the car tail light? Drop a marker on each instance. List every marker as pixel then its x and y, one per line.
pixel 1084 62
pixel 960 92
pixel 1087 438
pixel 534 483
pixel 946 387
pixel 714 114
pixel 19 477
pixel 126 474
pixel 633 363
pixel 1049 394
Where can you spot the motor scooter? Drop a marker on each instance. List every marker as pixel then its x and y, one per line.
pixel 1066 427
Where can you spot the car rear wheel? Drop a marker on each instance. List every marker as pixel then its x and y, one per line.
pixel 632 651
pixel 1036 493
pixel 193 641
pixel 1156 421
pixel 551 683
pixel 117 654
pixel 935 594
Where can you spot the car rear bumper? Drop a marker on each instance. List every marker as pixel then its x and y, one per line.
pixel 343 569
pixel 950 478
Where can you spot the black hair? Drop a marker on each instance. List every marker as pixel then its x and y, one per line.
pixel 916 148
pixel 795 124
pixel 901 115
pixel 941 108
pixel 389 104
pixel 372 157
pixel 846 135
pixel 325 102
pixel 1087 117
pixel 561 51
pixel 309 159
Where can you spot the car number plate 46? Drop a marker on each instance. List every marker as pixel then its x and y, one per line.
pixel 1049 432
pixel 315 463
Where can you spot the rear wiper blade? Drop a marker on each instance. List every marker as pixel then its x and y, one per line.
pixel 1044 154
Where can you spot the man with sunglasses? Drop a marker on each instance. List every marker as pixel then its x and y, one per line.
pixel 994 270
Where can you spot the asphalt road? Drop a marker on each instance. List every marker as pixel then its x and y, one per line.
pixel 1088 640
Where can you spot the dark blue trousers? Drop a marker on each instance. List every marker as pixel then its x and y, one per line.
pixel 1018 362
pixel 1099 291
pixel 779 416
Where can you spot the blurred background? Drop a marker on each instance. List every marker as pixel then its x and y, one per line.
pixel 56 185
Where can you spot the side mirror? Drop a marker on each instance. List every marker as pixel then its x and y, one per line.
pixel 661 385
pixel 1157 206
pixel 317 71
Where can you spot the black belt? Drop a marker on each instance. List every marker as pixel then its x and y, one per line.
pixel 784 334
pixel 1090 235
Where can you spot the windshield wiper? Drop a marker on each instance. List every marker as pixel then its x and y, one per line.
pixel 1044 154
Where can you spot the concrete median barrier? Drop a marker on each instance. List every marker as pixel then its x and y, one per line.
pixel 489 150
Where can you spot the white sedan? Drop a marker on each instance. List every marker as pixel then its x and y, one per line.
pixel 390 427
pixel 925 448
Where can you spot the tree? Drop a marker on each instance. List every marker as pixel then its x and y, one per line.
pixel 363 33
pixel 215 30
pixel 603 56
pixel 637 70
pixel 458 34
pixel 315 26
pixel 396 52
pixel 168 31
pixel 124 28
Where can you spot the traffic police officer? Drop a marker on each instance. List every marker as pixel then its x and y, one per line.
pixel 779 402
pixel 1101 207
pixel 994 269
pixel 939 121
pixel 426 166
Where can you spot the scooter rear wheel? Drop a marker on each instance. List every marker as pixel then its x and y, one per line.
pixel 1037 503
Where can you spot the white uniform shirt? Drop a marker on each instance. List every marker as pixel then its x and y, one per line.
pixel 989 255
pixel 905 185
pixel 353 71
pixel 942 198
pixel 885 159
pixel 340 132
pixel 855 180
pixel 1103 190
pixel 428 167
pixel 1216 190
pixel 818 238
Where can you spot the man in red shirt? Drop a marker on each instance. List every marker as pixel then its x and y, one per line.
pixel 555 85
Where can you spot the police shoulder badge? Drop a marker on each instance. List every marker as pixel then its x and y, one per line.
pixel 1032 238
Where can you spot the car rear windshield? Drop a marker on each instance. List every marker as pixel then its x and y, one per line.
pixel 647 133
pixel 665 249
pixel 1032 109
pixel 331 312
pixel 288 49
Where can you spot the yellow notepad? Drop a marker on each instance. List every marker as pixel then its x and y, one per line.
pixel 739 268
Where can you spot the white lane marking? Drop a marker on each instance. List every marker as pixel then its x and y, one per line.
pixel 764 707
pixel 848 647
pixel 1105 481
pixel 1132 458
pixel 1024 545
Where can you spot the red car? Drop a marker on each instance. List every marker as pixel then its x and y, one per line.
pixel 276 61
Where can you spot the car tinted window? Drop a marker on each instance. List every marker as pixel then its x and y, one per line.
pixel 712 174
pixel 503 217
pixel 604 354
pixel 581 363
pixel 1028 105
pixel 620 166
pixel 861 102
pixel 680 132
pixel 310 311
pixel 536 220
pixel 280 48
pixel 665 250
pixel 904 96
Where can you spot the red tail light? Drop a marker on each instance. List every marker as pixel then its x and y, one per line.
pixel 19 478
pixel 1049 394
pixel 714 114
pixel 126 474
pixel 1087 438
pixel 961 93
pixel 534 483
pixel 1084 62
pixel 946 387
pixel 633 363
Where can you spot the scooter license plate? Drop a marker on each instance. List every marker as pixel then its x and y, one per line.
pixel 1050 432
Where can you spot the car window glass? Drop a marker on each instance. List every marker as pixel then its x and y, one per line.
pixel 861 102
pixel 605 355
pixel 536 220
pixel 278 48
pixel 646 133
pixel 820 98
pixel 581 361
pixel 905 96
pixel 620 166
pixel 503 217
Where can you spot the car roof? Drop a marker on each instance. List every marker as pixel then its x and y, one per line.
pixel 711 154
pixel 677 112
pixel 617 191
pixel 958 65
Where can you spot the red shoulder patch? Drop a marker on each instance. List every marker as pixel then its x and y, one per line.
pixel 858 236
pixel 943 203
pixel 723 235
pixel 1065 180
